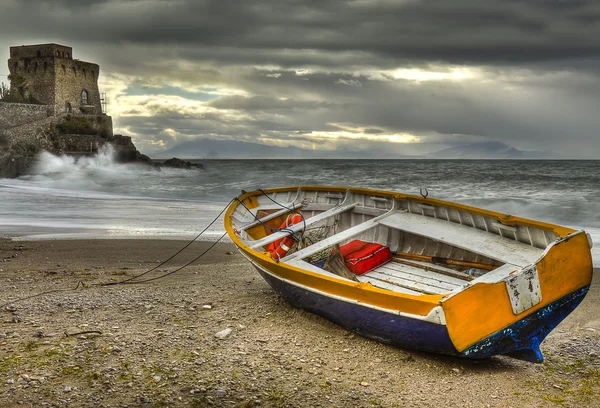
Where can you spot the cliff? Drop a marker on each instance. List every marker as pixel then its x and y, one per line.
pixel 25 130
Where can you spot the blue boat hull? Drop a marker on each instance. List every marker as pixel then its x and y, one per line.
pixel 520 340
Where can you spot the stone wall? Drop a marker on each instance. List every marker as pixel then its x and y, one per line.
pixel 16 114
pixel 41 133
pixel 29 138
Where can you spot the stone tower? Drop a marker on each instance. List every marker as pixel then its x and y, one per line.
pixel 54 78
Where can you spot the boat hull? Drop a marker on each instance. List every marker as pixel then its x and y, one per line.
pixel 520 340
pixel 539 272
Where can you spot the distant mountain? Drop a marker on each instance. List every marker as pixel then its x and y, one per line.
pixel 486 150
pixel 230 149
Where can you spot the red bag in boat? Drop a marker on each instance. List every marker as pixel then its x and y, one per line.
pixel 360 257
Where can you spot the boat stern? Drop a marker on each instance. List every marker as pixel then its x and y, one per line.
pixel 511 311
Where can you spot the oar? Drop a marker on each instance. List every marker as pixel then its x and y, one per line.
pixel 446 261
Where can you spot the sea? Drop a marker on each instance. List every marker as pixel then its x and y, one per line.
pixel 96 197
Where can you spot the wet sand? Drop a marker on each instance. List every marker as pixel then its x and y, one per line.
pixel 154 344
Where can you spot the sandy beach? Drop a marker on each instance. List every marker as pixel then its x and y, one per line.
pixel 154 344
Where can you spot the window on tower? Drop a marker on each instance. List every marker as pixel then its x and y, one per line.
pixel 84 97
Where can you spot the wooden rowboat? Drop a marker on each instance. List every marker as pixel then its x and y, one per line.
pixel 460 280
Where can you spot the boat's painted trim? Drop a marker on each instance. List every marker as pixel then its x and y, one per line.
pixel 359 291
pixel 520 340
pixel 436 315
pixel 484 308
pixel 382 325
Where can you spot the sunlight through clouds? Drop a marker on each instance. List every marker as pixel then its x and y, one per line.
pixel 418 75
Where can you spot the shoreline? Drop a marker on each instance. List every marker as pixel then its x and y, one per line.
pixel 62 234
pixel 157 343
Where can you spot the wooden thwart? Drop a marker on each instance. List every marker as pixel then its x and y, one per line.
pixel 297 227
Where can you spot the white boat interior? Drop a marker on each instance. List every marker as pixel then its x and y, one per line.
pixel 436 249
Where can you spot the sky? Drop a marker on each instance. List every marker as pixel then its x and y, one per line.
pixel 404 77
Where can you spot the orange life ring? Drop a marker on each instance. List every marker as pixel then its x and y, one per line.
pixel 280 248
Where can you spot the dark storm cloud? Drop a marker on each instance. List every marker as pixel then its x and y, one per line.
pixel 283 69
pixel 458 31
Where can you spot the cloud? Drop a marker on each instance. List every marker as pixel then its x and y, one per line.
pixel 349 82
pixel 283 72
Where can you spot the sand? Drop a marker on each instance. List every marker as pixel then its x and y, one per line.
pixel 155 345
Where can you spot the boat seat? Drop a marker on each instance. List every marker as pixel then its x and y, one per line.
pixel 472 239
pixel 336 239
pixel 298 227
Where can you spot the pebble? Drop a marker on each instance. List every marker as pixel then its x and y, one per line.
pixel 364 384
pixel 456 370
pixel 207 307
pixel 223 333
pixel 200 361
pixel 221 392
pixel 228 253
pixel 116 349
pixel 67 388
pixel 10 381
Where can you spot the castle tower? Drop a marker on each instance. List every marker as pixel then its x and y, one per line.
pixel 54 78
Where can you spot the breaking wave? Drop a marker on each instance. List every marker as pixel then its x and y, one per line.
pixel 98 192
pixel 102 173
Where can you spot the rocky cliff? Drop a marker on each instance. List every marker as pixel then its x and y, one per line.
pixel 63 134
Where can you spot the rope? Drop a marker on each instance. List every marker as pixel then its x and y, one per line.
pixel 129 280
pixel 79 283
pixel 126 281
pixel 132 281
pixel 317 234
